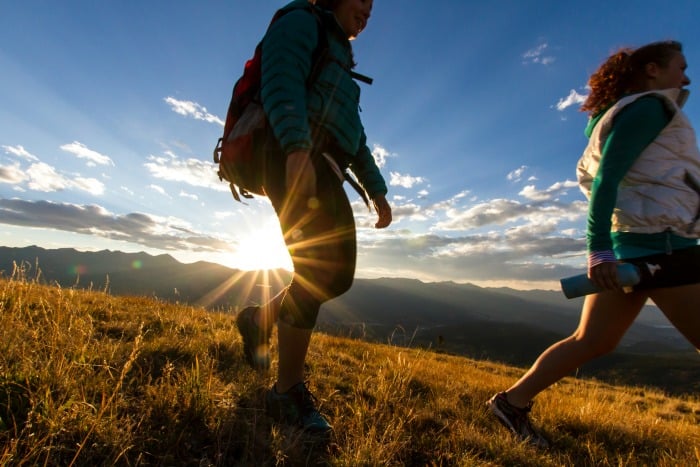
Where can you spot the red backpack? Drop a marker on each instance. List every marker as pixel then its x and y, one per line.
pixel 240 151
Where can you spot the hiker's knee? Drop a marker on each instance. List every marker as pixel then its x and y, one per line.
pixel 300 307
pixel 305 296
pixel 323 281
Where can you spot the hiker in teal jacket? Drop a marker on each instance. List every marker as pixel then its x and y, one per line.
pixel 641 173
pixel 331 106
pixel 311 100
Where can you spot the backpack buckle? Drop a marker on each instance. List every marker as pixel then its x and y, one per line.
pixel 217 151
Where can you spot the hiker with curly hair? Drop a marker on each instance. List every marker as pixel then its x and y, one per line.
pixel 317 136
pixel 641 175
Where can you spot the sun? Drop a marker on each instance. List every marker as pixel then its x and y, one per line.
pixel 262 248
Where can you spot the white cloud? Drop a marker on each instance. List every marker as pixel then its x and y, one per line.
pixel 19 151
pixel 381 155
pixel 532 193
pixel 191 171
pixel 492 212
pixel 405 181
pixel 572 99
pixel 192 109
pixel 83 152
pixel 541 206
pixel 527 232
pixel 220 215
pixel 517 174
pixel 91 185
pixel 158 189
pixel 536 55
pixel 191 196
pixel 12 174
pixel 43 177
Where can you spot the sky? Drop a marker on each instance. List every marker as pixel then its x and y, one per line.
pixel 110 110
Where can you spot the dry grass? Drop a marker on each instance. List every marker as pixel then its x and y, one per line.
pixel 91 379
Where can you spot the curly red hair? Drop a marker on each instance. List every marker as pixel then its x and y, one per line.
pixel 623 73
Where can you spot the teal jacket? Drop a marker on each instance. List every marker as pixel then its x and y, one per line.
pixel 332 102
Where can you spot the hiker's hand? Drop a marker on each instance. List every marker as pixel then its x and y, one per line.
pixel 383 211
pixel 605 275
pixel 301 178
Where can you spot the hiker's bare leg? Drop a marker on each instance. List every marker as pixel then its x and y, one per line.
pixel 681 305
pixel 604 320
pixel 293 344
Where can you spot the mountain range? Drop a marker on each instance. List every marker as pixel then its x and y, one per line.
pixel 499 324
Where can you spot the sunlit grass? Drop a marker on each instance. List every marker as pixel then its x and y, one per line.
pixel 87 378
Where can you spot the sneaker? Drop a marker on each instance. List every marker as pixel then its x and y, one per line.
pixel 516 420
pixel 297 407
pixel 256 340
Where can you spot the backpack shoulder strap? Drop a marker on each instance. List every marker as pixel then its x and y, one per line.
pixel 319 57
pixel 321 52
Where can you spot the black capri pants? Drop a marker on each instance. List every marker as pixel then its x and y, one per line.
pixel 321 240
pixel 674 269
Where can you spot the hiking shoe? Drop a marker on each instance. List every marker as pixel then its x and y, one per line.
pixel 256 340
pixel 297 407
pixel 516 420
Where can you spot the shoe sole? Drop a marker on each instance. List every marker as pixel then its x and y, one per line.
pixel 256 360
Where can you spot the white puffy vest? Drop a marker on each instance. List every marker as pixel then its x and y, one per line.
pixel 661 191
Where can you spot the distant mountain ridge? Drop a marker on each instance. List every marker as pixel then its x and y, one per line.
pixel 201 283
pixel 499 324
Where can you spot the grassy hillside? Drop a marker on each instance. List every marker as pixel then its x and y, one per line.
pixel 87 378
pixel 504 325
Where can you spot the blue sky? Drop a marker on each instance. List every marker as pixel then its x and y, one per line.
pixel 109 111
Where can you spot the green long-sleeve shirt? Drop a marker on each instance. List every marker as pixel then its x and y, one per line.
pixel 634 128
